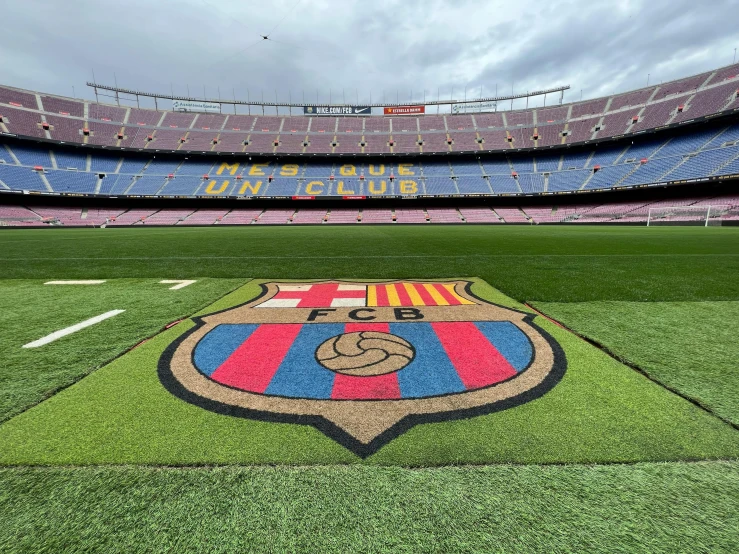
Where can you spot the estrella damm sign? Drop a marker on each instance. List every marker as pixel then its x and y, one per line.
pixel 361 361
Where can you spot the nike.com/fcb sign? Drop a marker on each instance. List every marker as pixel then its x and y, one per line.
pixel 337 110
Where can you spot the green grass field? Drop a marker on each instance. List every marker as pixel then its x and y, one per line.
pixel 552 264
pixel 642 461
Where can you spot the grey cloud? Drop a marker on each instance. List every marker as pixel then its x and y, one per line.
pixel 406 45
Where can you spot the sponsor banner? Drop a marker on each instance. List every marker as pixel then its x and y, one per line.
pixel 405 110
pixel 474 107
pixel 353 197
pixel 337 110
pixel 304 197
pixel 192 106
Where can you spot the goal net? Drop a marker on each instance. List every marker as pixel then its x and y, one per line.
pixel 687 215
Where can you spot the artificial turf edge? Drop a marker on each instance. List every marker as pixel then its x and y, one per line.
pixel 628 363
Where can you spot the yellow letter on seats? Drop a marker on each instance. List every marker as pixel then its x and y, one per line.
pixel 289 170
pixel 408 187
pixel 257 169
pixel 210 190
pixel 383 187
pixel 405 169
pixel 248 186
pixel 340 189
pixel 311 189
pixel 232 168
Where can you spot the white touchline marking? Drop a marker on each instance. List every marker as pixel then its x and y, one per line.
pixel 87 282
pixel 182 283
pixel 72 329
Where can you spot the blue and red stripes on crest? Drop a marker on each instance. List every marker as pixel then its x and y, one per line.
pixel 278 359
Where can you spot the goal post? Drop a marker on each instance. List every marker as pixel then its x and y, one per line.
pixel 687 215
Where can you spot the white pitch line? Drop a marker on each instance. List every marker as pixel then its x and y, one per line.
pixel 181 284
pixel 87 282
pixel 72 329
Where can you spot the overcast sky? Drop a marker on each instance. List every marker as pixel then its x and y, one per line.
pixel 396 46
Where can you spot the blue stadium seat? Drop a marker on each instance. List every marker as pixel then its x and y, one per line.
pixel 523 164
pixel 504 184
pixel 21 178
pixel 608 176
pixel 466 168
pixel 473 185
pixel 5 155
pixel 133 166
pixel 730 168
pixel 642 149
pixel 652 171
pixel 561 181
pixel 185 185
pixel 497 166
pixel 547 163
pixel 71 160
pixel 441 185
pixel 288 187
pixel 104 164
pixel 731 133
pixel 531 183
pixel 685 144
pixel 31 155
pixel 606 156
pixel 702 164
pixel 199 168
pixel 147 185
pixel 72 181
pixel 321 171
pixel 575 160
pixel 115 184
pixel 436 169
pixel 162 167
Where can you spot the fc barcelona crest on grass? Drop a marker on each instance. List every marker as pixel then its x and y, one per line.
pixel 363 362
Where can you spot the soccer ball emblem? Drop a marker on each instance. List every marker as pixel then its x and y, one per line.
pixel 365 353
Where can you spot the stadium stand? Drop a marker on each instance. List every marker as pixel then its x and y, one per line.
pixel 163 154
pixel 678 101
pixel 338 216
pixel 411 216
pixel 666 157
pixel 310 217
pixel 444 215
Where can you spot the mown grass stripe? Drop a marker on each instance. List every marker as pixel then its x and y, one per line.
pixel 369 257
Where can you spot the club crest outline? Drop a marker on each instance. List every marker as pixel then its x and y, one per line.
pixel 368 352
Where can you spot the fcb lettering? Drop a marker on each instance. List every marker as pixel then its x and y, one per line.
pixel 363 362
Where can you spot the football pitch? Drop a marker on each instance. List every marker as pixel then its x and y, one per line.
pixel 608 420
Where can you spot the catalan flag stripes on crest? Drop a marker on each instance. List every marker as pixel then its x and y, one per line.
pixel 335 295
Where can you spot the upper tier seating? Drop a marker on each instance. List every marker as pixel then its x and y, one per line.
pixel 76 120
